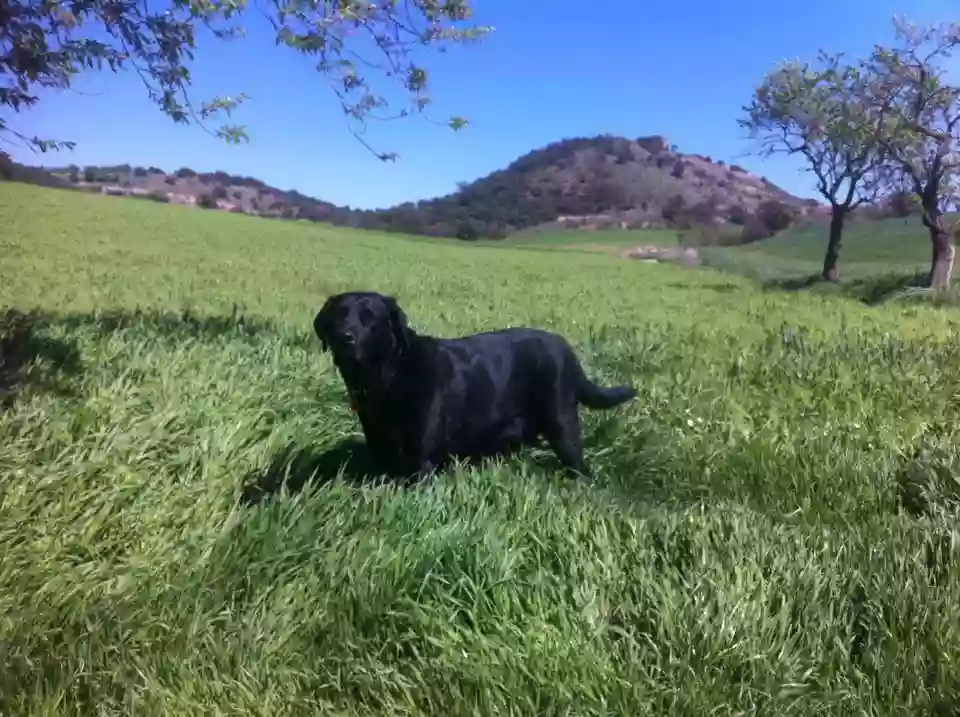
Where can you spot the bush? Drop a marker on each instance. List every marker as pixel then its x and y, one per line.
pixel 673 208
pixel 220 192
pixel 738 215
pixel 701 235
pixel 901 204
pixel 207 201
pixel 185 173
pixel 775 215
pixel 754 230
pixel 467 231
pixel 704 212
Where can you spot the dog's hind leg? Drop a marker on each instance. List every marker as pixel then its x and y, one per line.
pixel 563 432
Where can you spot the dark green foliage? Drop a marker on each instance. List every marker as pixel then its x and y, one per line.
pixel 737 215
pixel 755 229
pixel 673 210
pixel 901 204
pixel 704 212
pixel 776 216
pixel 14 172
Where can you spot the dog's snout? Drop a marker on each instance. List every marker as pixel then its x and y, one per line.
pixel 349 338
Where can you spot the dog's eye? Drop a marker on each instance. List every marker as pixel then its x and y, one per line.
pixel 349 338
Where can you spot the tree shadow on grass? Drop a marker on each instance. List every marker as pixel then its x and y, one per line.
pixel 29 356
pixel 726 287
pixel 876 290
pixel 179 324
pixel 871 290
pixel 793 283
pixel 34 353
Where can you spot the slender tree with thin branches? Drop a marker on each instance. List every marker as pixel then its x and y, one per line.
pixel 815 111
pixel 45 44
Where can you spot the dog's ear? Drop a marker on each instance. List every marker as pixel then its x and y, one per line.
pixel 398 324
pixel 321 323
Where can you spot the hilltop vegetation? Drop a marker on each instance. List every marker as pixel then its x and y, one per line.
pixel 597 183
pixel 772 529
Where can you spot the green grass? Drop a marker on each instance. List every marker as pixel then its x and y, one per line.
pixel 870 248
pixel 607 240
pixel 772 529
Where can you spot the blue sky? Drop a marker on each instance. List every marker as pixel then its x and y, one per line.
pixel 550 70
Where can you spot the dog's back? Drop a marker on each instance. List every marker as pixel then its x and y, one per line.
pixel 534 358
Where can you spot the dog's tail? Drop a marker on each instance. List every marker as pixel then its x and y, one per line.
pixel 599 397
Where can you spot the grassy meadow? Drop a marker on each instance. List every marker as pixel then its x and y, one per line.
pixel 871 249
pixel 187 527
pixel 610 241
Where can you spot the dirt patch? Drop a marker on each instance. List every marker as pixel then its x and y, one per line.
pixel 673 255
pixel 601 248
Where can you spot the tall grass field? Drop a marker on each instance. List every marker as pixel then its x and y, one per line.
pixel 188 525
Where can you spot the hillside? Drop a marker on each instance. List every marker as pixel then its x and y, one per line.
pixel 601 183
pixel 595 182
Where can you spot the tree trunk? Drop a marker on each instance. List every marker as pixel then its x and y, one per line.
pixel 831 270
pixel 941 241
pixel 941 266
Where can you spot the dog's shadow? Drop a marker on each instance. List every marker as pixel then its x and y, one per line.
pixel 297 466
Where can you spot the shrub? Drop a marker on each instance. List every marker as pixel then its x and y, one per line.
pixel 754 230
pixel 468 231
pixel 775 215
pixel 704 212
pixel 901 204
pixel 738 215
pixel 673 208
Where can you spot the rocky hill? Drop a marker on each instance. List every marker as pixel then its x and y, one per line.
pixel 595 182
pixel 602 182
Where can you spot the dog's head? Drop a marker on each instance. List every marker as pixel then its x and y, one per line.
pixel 362 329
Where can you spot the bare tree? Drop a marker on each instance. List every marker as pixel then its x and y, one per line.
pixel 816 112
pixel 915 113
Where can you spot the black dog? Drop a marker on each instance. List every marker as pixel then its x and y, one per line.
pixel 424 400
